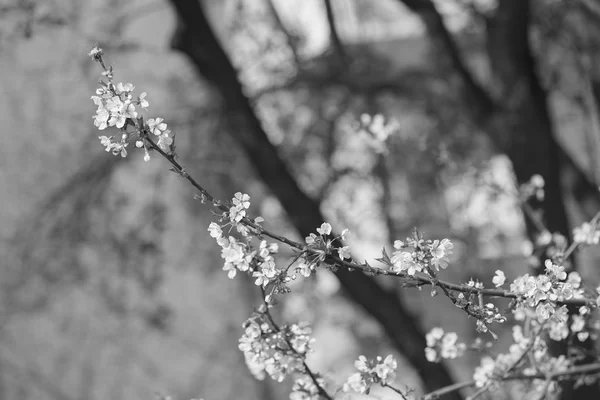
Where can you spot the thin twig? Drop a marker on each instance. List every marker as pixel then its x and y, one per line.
pixel 447 389
pixel 506 373
pixel 290 38
pixel 400 392
pixel 569 374
pixel 276 327
pixel 416 280
pixel 338 47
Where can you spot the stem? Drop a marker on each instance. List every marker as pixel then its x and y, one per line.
pixel 387 385
pixel 308 371
pixel 505 375
pixel 448 389
pixel 418 279
pixel 334 35
pixel 574 245
pixel 571 373
pixel 435 282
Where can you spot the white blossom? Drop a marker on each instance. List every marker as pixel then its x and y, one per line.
pixel 440 250
pixel 325 229
pixel 499 279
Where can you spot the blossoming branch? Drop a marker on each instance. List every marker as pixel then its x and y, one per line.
pixel 539 303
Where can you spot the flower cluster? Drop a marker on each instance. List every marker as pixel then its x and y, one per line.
pixel 418 255
pixel 272 351
pixel 116 107
pixel 266 263
pixel 582 325
pixel 578 326
pixel 538 362
pixel 96 54
pixel 376 130
pixel 281 351
pixel 533 188
pixel 304 388
pixel 442 345
pixel 240 203
pixel 538 297
pixel 486 314
pixel 382 371
pixel 163 136
pixel 586 234
pixel 236 254
pixel 242 256
pixel 319 247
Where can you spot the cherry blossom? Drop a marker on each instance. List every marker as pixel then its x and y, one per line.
pixel 499 279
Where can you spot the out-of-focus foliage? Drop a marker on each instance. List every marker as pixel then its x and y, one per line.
pixel 111 287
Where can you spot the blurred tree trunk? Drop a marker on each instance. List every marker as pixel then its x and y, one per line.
pixel 518 123
pixel 521 126
pixel 524 122
pixel 196 39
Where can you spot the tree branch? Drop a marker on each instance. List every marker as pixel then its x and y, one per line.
pixel 481 102
pixel 569 374
pixel 338 47
pixel 508 47
pixel 522 127
pixel 529 132
pixel 195 38
pixel 291 39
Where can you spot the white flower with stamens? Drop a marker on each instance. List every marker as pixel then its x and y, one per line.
pixel 344 252
pixel 304 269
pixel 344 235
pixel 215 230
pixel 499 279
pixel 404 261
pixel 325 229
pixel 241 199
pixel 440 250
pixel 156 126
pixel 355 383
pixel 142 101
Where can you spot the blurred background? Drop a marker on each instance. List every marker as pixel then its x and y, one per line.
pixel 110 284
